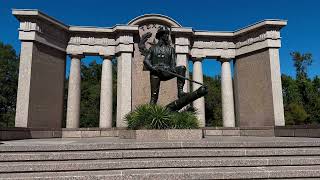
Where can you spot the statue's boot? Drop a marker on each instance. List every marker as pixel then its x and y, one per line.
pixel 180 88
pixel 154 99
pixel 155 87
pixel 181 70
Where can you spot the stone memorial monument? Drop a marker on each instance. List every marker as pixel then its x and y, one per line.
pixel 251 96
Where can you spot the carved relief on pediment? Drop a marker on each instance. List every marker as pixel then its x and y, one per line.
pixel 257 37
pixel 91 41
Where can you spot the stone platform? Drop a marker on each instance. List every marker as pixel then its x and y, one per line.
pixel 279 131
pixel 215 157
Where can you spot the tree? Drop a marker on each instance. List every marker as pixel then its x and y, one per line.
pixel 293 107
pixel 290 90
pixel 90 94
pixel 295 114
pixel 301 95
pixel 301 63
pixel 8 84
pixel 213 101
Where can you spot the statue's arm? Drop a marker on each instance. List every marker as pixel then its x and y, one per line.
pixel 142 46
pixel 147 62
pixel 173 58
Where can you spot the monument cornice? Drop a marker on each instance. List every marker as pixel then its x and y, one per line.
pixel 37 26
pixel 33 14
pixel 114 29
pixel 267 24
pixel 29 14
pixel 271 23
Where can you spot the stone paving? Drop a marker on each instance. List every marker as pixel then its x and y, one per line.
pixel 102 140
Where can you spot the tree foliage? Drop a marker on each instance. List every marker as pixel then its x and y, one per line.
pixel 90 94
pixel 213 101
pixel 8 84
pixel 301 96
pixel 301 63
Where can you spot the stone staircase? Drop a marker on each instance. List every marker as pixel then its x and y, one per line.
pixel 211 158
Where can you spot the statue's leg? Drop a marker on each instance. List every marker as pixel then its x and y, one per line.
pixel 155 86
pixel 181 70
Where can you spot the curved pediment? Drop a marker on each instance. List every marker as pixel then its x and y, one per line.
pixel 154 18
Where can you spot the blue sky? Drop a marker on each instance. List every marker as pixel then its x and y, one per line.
pixel 301 33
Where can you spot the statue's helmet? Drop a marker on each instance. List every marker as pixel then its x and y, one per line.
pixel 162 30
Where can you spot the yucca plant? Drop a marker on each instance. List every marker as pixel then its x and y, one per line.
pixel 157 117
pixel 136 119
pixel 185 120
pixel 149 117
pixel 160 117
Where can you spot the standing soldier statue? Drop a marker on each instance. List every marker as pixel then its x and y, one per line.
pixel 160 61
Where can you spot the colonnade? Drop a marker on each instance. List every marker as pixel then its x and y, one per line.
pixel 74 93
pixel 228 113
pixel 105 120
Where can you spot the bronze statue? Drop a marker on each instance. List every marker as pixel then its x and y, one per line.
pixel 160 61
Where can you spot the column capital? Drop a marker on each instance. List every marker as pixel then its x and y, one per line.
pixel 106 57
pixel 124 48
pixel 182 41
pixel 78 56
pixel 221 59
pixel 182 49
pixel 194 59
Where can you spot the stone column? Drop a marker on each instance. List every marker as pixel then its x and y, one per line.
pixel 24 83
pixel 124 52
pixel 199 103
pixel 182 48
pixel 182 60
pixel 123 87
pixel 74 93
pixel 227 94
pixel 106 93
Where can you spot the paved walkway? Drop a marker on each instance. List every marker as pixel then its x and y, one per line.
pixel 103 140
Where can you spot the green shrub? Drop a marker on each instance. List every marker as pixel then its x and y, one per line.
pixel 149 117
pixel 158 117
pixel 185 120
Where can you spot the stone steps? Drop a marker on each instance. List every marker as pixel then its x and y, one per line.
pixel 84 165
pixel 157 153
pixel 217 158
pixel 283 172
pixel 155 145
